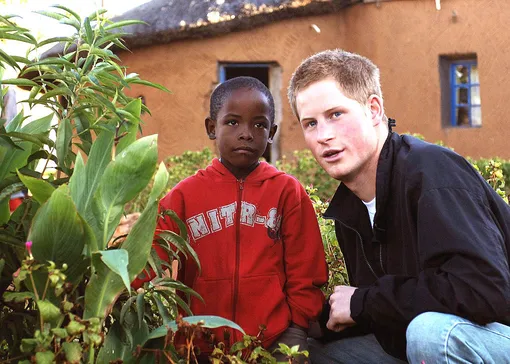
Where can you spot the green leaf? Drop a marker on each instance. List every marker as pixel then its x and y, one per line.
pixel 44 357
pixel 59 234
pixel 160 182
pixel 38 126
pixel 50 14
pixel 15 123
pixel 9 60
pixel 105 285
pixel 147 83
pixel 88 31
pixel 18 297
pixel 116 348
pixel 123 23
pixel 210 322
pixel 84 182
pixel 49 312
pixel 76 16
pixel 54 40
pixel 133 109
pixel 18 82
pixel 114 192
pixel 117 260
pixel 40 189
pixel 73 351
pixel 140 307
pixel 63 143
pixel 52 61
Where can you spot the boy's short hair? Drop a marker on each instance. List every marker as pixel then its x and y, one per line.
pixel 357 76
pixel 225 89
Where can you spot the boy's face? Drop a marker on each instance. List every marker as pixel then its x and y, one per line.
pixel 242 130
pixel 338 130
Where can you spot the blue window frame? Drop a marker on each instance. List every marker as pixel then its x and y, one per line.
pixel 466 108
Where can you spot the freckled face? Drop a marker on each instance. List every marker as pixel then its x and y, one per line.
pixel 338 130
pixel 242 130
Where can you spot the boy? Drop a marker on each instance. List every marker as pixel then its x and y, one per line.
pixel 253 227
pixel 426 240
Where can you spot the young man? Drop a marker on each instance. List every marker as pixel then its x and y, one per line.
pixel 426 240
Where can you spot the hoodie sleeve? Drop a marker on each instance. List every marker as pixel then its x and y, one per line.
pixel 172 201
pixel 464 266
pixel 305 263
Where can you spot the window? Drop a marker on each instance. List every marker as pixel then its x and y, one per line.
pixel 461 104
pixel 270 75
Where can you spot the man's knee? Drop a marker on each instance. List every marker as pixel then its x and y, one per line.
pixel 424 333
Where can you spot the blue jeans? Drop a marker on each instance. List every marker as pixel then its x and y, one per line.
pixel 431 338
pixel 442 338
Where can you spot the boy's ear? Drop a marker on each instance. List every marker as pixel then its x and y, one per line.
pixel 272 132
pixel 375 104
pixel 210 128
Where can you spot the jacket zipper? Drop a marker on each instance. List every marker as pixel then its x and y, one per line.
pixel 380 258
pixel 362 248
pixel 238 243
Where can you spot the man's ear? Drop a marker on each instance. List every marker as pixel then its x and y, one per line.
pixel 210 128
pixel 272 132
pixel 376 109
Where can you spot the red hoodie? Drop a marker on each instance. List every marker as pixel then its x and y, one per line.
pixel 259 247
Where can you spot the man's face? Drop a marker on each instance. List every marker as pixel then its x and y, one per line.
pixel 338 130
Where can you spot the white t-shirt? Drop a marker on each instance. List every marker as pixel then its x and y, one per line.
pixel 371 210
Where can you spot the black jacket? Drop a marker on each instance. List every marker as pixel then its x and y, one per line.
pixel 440 242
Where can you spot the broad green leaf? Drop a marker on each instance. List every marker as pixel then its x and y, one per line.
pixel 160 182
pixel 59 91
pixel 210 322
pixel 64 135
pixel 18 82
pixel 134 109
pixel 15 123
pixel 77 182
pixel 13 158
pixel 99 158
pixel 115 347
pixel 44 357
pixel 73 352
pixel 18 297
pixel 105 286
pixel 117 260
pixel 40 189
pixel 49 313
pixel 4 214
pixel 38 126
pixel 59 234
pixel 114 192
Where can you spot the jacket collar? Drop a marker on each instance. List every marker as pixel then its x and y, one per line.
pixel 347 208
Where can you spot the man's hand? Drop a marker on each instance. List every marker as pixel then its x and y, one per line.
pixel 340 313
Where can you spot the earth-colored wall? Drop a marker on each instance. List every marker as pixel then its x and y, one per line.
pixel 404 38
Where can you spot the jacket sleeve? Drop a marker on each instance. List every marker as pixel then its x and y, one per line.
pixel 305 263
pixel 172 201
pixel 463 266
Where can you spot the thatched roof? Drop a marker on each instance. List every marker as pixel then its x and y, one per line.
pixel 169 20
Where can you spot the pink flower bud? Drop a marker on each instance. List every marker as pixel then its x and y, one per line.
pixel 28 245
